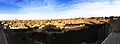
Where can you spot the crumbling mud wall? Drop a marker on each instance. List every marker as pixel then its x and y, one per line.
pixel 96 32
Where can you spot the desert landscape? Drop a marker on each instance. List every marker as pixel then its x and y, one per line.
pixel 91 30
pixel 60 23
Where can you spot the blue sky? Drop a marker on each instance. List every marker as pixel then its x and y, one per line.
pixel 50 9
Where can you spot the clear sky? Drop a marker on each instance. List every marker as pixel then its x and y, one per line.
pixel 52 9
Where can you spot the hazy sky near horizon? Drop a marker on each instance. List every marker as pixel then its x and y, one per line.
pixel 51 9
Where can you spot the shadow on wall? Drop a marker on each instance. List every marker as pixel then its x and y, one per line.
pixel 92 34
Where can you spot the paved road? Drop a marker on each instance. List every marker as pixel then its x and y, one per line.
pixel 113 38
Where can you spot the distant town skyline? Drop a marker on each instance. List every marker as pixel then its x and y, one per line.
pixel 57 9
